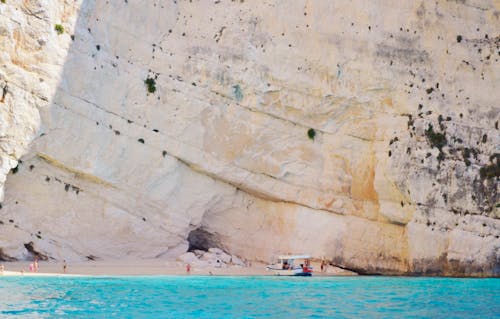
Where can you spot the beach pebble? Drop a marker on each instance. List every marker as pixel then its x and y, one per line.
pixel 188 257
pixel 237 261
pixel 209 257
pixel 215 251
pixel 225 258
pixel 199 253
pixel 214 257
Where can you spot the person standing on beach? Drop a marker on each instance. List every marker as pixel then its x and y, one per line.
pixel 35 264
pixel 2 268
pixel 65 266
pixel 323 265
pixel 188 268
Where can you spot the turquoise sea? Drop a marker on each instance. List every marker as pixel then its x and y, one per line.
pixel 248 297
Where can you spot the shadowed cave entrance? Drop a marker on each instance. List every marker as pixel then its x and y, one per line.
pixel 30 247
pixel 201 239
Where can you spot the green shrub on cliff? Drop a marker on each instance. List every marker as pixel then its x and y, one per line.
pixel 311 133
pixel 238 93
pixel 435 139
pixel 150 84
pixel 490 171
pixel 59 29
pixel 466 156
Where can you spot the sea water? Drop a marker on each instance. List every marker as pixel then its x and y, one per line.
pixel 248 297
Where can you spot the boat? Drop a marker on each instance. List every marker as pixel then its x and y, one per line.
pixel 292 265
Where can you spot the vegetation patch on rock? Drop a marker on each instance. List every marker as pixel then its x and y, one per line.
pixel 59 28
pixel 311 133
pixel 238 93
pixel 491 170
pixel 435 139
pixel 150 84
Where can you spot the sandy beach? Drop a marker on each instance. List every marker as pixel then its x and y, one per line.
pixel 146 267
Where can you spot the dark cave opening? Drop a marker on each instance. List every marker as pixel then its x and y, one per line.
pixel 30 247
pixel 201 239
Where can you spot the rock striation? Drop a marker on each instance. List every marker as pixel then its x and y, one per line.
pixel 364 133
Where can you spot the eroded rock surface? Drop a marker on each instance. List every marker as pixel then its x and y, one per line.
pixel 363 132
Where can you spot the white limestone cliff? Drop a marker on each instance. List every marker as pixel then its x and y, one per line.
pixel 401 175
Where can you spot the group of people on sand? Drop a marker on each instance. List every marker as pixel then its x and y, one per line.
pixel 34 265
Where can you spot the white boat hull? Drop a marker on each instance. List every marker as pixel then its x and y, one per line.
pixel 289 272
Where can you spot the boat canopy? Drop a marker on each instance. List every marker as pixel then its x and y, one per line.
pixel 288 257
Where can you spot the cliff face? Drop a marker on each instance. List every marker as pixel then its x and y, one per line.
pixel 366 133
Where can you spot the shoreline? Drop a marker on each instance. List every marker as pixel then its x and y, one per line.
pixel 145 268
